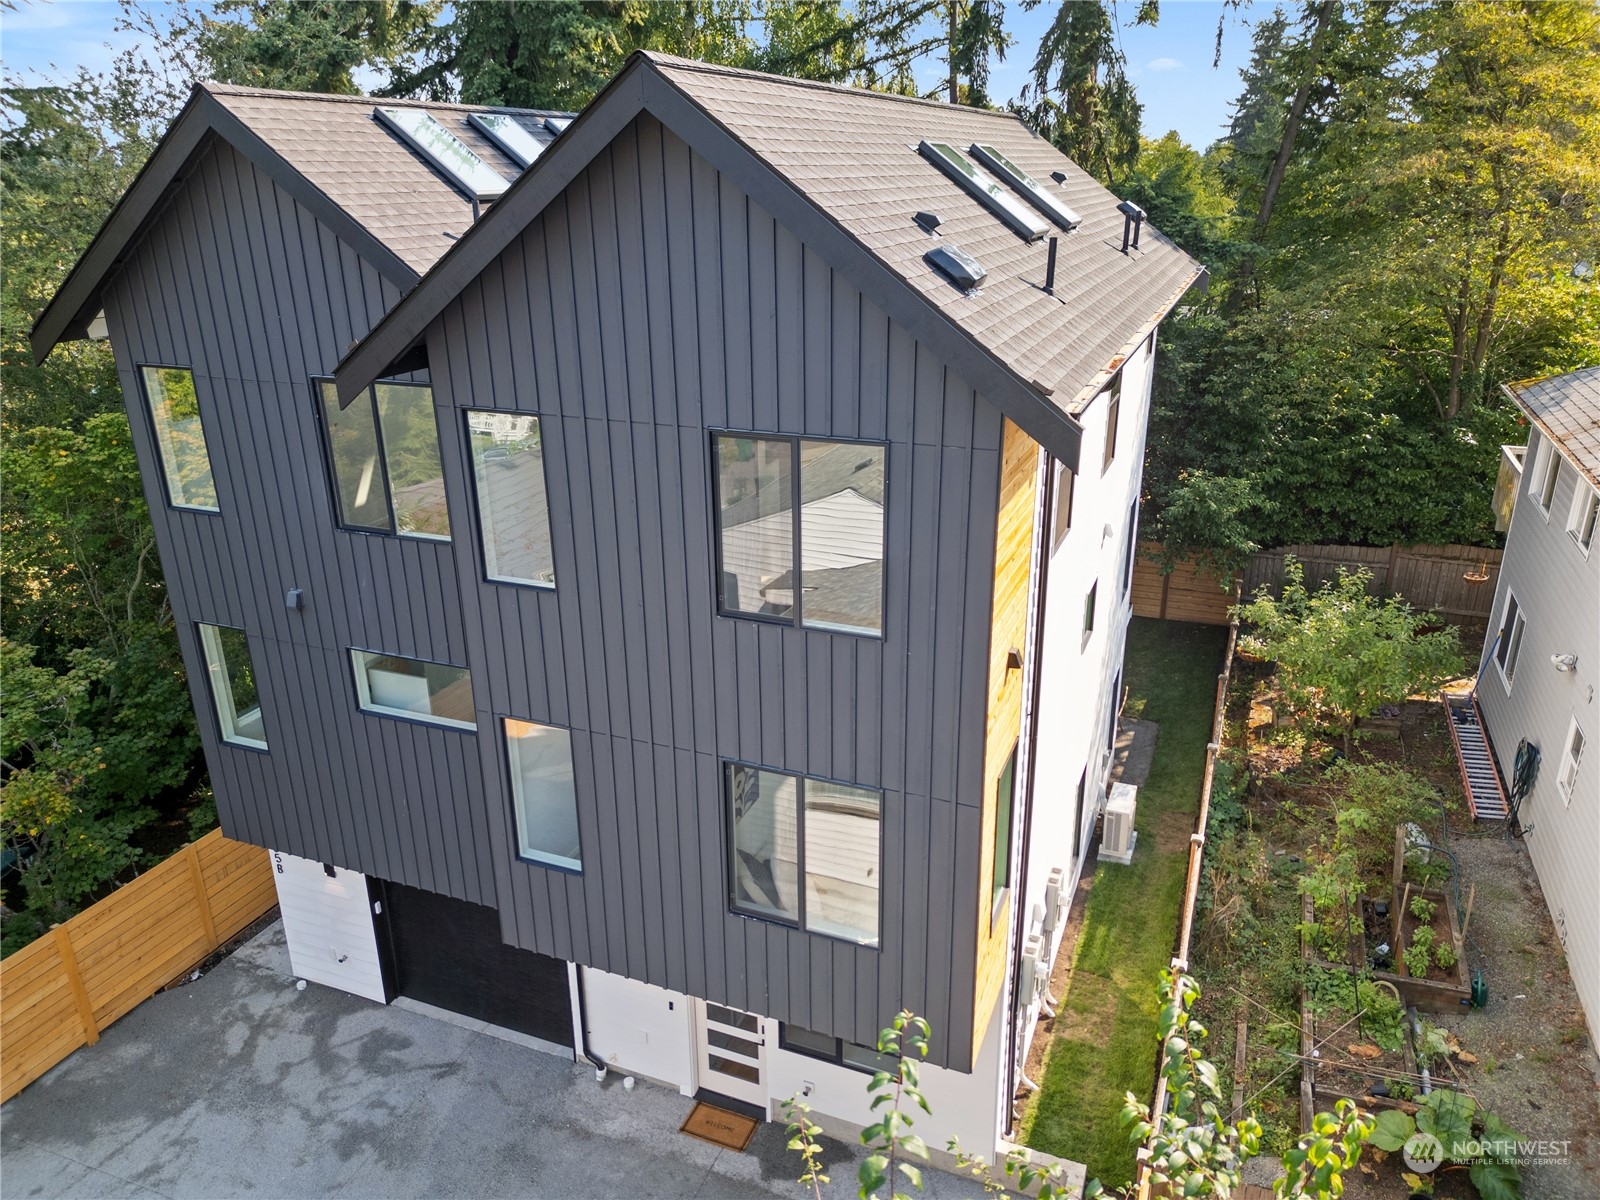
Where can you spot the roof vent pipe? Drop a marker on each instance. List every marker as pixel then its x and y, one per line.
pixel 1050 270
pixel 1132 222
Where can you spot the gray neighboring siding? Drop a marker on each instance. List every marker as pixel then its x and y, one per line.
pixel 241 284
pixel 1559 590
pixel 652 302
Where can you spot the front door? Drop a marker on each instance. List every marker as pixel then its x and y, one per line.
pixel 732 1053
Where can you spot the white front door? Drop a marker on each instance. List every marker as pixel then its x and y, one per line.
pixel 732 1052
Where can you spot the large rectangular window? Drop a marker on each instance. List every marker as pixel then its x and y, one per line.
pixel 384 450
pixel 793 506
pixel 1004 802
pixel 233 686
pixel 513 502
pixel 1510 646
pixel 180 437
pixel 412 687
pixel 543 793
pixel 805 852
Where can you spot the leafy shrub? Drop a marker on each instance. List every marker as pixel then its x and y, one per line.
pixel 1382 1015
pixel 1422 909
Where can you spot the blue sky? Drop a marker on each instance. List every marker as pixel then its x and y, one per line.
pixel 1170 64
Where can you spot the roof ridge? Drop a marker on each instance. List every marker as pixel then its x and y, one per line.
pixel 694 64
pixel 236 89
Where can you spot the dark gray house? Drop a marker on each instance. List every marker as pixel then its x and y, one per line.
pixel 658 585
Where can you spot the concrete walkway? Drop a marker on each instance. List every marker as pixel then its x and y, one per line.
pixel 240 1084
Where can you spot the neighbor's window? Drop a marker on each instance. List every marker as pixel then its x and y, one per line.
pixel 1113 394
pixel 384 449
pixel 804 852
pixel 1510 646
pixel 1547 480
pixel 542 791
pixel 180 437
pixel 1004 798
pixel 789 507
pixel 835 1050
pixel 411 687
pixel 1089 602
pixel 233 685
pixel 1061 506
pixel 513 502
pixel 1571 760
pixel 1585 512
pixel 1132 534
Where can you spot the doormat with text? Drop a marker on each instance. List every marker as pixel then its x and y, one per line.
pixel 720 1127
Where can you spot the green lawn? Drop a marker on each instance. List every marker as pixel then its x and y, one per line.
pixel 1104 1042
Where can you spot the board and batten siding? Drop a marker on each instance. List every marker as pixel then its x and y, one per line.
pixel 239 283
pixel 1558 589
pixel 651 303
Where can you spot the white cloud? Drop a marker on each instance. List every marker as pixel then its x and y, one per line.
pixel 1166 64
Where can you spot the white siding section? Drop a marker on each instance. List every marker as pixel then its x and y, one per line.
pixel 640 1029
pixel 328 925
pixel 1558 589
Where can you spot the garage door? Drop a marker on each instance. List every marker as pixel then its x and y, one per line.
pixel 448 953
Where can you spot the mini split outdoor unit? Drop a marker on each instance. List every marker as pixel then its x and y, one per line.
pixel 1117 837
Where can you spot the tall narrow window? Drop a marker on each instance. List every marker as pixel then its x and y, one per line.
pixel 1004 802
pixel 1128 551
pixel 233 686
pixel 1061 506
pixel 1510 646
pixel 1113 394
pixel 1585 514
pixel 384 452
pixel 180 437
pixel 412 687
pixel 1552 474
pixel 1571 760
pixel 805 852
pixel 1078 829
pixel 1089 602
pixel 800 531
pixel 513 501
pixel 542 791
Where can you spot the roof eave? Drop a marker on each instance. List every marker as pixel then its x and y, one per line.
pixel 76 302
pixel 1513 393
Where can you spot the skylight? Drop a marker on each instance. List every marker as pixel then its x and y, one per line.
pixel 507 133
pixel 1030 188
pixel 445 151
pixel 557 125
pixel 1002 203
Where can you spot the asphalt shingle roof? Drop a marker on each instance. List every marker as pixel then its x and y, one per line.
pixel 1567 408
pixel 853 153
pixel 342 149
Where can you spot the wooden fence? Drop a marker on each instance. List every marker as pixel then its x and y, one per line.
pixel 58 993
pixel 1454 581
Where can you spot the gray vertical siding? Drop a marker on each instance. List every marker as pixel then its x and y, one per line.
pixel 238 282
pixel 650 303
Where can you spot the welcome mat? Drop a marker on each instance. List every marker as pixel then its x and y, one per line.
pixel 720 1127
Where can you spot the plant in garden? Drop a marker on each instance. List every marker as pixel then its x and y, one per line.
pixel 1445 955
pixel 1471 1138
pixel 803 1133
pixel 890 1138
pixel 1342 653
pixel 1422 909
pixel 1420 953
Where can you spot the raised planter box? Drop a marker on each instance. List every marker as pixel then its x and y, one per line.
pixel 1431 995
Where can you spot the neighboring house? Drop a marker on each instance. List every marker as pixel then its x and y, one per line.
pixel 1541 660
pixel 696 633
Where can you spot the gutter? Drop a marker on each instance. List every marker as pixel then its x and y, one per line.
pixel 599 1064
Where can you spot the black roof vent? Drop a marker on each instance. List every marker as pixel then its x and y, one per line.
pixel 956 265
pixel 1132 219
pixel 927 221
pixel 1059 176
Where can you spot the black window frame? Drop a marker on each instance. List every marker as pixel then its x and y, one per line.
pixel 1113 393
pixel 211 690
pixel 1091 601
pixel 155 438
pixel 1000 850
pixel 475 504
pixel 331 471
pixel 508 773
pixel 729 848
pixel 430 722
pixel 837 1058
pixel 797 619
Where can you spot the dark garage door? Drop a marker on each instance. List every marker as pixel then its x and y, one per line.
pixel 448 953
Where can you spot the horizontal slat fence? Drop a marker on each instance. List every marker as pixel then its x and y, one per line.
pixel 58 993
pixel 1441 579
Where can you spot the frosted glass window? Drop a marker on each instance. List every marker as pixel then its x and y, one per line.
pixel 513 499
pixel 837 488
pixel 542 791
pixel 180 437
pixel 233 686
pixel 411 687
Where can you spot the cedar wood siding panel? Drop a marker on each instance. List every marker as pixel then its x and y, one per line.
pixel 237 282
pixel 1558 588
pixel 661 302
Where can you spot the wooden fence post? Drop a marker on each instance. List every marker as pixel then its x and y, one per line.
pixel 198 876
pixel 69 964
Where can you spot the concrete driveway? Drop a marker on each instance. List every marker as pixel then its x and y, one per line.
pixel 241 1085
